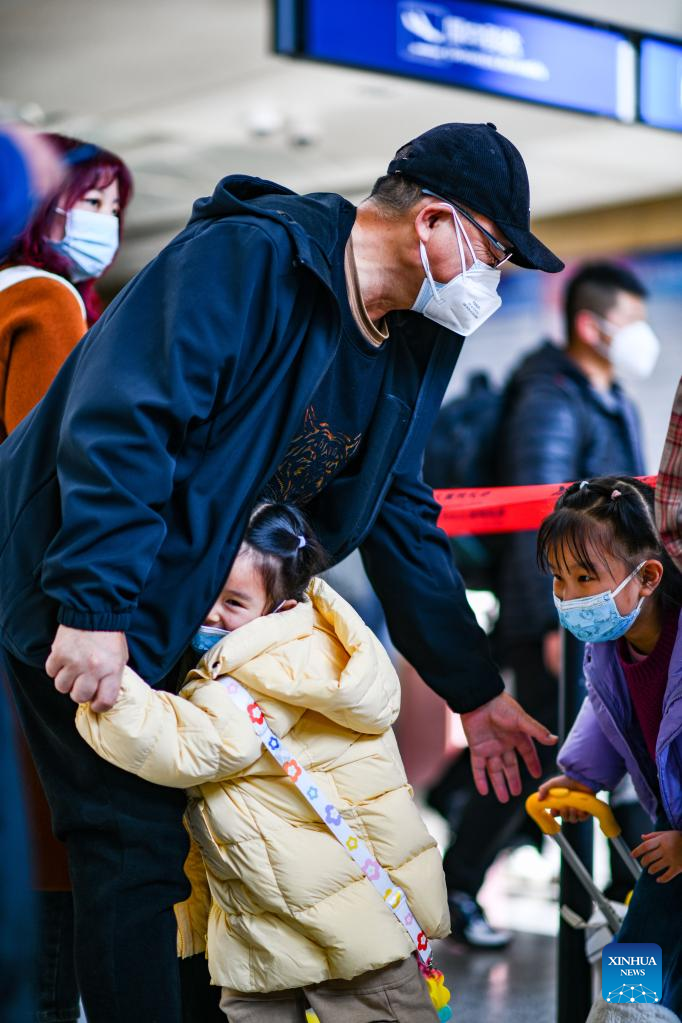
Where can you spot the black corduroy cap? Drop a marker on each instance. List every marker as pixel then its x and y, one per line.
pixel 475 165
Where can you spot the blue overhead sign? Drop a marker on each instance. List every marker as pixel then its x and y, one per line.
pixel 660 83
pixel 489 47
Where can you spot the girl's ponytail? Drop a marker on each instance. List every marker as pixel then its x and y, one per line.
pixel 288 552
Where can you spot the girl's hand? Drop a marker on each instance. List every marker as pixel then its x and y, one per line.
pixel 570 815
pixel 661 851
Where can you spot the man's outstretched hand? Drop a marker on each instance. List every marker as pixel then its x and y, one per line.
pixel 88 665
pixel 496 733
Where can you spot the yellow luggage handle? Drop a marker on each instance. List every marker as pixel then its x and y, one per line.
pixel 540 810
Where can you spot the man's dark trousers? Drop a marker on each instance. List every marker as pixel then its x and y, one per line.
pixel 126 846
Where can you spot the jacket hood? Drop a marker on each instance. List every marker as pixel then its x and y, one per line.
pixel 340 669
pixel 233 194
pixel 315 222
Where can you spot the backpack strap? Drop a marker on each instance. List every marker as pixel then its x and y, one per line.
pixel 15 274
pixel 391 894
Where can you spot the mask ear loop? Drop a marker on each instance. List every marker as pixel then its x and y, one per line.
pixel 608 328
pixel 459 233
pixel 427 271
pixel 628 578
pixel 614 593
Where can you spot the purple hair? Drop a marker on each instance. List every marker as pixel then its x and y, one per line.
pixel 88 166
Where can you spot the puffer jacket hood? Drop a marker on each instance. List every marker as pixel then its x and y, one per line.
pixel 275 657
pixel 288 906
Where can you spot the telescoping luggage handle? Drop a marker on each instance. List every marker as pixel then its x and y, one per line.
pixel 392 895
pixel 561 798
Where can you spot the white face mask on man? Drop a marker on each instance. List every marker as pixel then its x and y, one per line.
pixel 465 302
pixel 634 349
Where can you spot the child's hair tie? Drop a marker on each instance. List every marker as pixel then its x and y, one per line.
pixel 585 483
pixel 615 494
pixel 301 541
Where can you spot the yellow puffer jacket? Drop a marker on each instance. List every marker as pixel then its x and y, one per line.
pixel 289 907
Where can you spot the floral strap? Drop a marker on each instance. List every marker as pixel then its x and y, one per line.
pixel 392 895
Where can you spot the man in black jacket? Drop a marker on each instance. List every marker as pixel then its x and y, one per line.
pixel 566 417
pixel 273 348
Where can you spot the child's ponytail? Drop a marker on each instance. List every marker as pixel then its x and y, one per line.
pixel 288 552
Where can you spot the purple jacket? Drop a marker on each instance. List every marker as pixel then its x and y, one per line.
pixel 604 743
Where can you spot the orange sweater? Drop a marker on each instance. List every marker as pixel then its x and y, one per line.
pixel 41 321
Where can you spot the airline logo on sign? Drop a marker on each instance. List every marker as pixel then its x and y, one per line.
pixel 434 34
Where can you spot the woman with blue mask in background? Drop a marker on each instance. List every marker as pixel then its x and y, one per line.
pixel 47 280
pixel 616 588
pixel 47 302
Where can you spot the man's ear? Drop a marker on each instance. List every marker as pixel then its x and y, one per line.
pixel 650 576
pixel 586 328
pixel 287 605
pixel 430 217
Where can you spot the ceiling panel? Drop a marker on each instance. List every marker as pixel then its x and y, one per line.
pixel 183 90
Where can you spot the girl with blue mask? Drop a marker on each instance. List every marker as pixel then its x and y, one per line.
pixel 616 588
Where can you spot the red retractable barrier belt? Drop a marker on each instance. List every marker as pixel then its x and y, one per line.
pixel 500 509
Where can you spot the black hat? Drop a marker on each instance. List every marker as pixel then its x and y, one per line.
pixel 473 164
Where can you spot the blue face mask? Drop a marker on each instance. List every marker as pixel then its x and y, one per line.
pixel 596 619
pixel 207 637
pixel 89 244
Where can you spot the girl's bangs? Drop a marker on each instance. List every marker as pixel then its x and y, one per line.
pixel 582 538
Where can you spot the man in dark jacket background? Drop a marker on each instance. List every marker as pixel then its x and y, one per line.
pixel 566 417
pixel 274 348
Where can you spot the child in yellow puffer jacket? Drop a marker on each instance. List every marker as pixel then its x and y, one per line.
pixel 293 921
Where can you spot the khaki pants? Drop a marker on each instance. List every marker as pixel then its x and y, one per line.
pixel 395 994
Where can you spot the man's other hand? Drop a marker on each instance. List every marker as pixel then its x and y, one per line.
pixel 88 665
pixel 496 733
